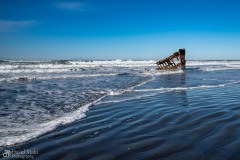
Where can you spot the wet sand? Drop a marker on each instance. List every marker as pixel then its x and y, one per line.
pixel 196 124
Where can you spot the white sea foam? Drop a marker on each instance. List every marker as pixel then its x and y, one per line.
pixel 64 76
pixel 209 66
pixel 77 69
pixel 39 129
pixel 115 92
pixel 127 98
pixel 162 89
pixel 121 91
pixel 116 63
pixel 233 65
pixel 162 72
pixel 210 69
pixel 49 70
pixel 211 63
pixel 80 64
pixel 159 89
pixel 209 79
pixel 112 63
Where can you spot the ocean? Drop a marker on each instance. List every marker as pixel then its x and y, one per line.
pixel 119 110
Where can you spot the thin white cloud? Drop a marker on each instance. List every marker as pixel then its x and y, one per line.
pixel 73 6
pixel 11 25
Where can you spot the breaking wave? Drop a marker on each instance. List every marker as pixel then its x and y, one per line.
pixel 39 129
pixel 185 88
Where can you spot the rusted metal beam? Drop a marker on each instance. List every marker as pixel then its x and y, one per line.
pixel 182 58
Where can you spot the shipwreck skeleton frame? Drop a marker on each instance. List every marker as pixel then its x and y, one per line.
pixel 169 62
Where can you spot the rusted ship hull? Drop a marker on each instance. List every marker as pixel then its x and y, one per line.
pixel 173 62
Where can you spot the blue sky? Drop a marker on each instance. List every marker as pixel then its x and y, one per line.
pixel 119 29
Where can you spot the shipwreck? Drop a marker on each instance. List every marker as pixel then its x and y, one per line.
pixel 173 62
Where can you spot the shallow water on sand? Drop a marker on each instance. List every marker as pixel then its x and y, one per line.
pixel 130 114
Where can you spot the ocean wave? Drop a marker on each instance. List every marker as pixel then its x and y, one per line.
pixel 33 131
pixel 69 64
pixel 64 76
pixel 215 65
pixel 41 129
pixel 37 70
pixel 234 65
pixel 127 98
pixel 66 65
pixel 3 61
pixel 60 62
pixel 110 63
pixel 222 68
pixel 210 63
pixel 130 89
pixel 185 88
pixel 163 72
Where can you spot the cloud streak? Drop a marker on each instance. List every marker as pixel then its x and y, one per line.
pixel 11 25
pixel 72 6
